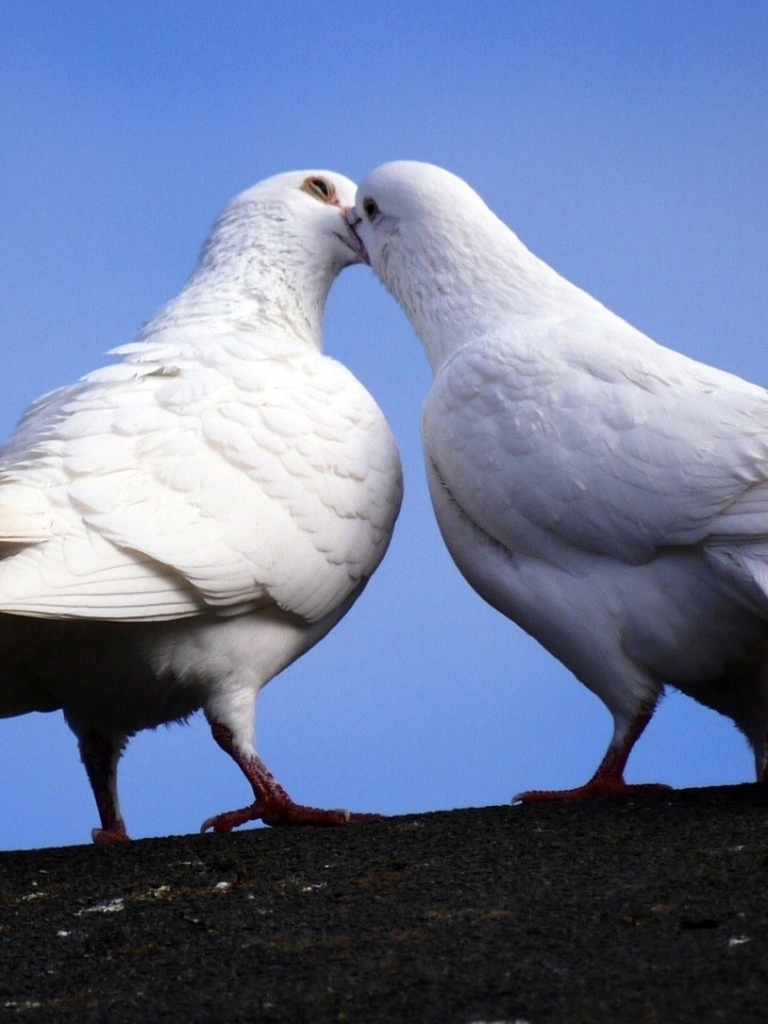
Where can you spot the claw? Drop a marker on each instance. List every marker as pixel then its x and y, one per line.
pixel 272 805
pixel 595 787
pixel 110 836
pixel 608 780
pixel 282 812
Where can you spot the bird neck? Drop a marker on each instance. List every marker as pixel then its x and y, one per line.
pixel 464 290
pixel 260 280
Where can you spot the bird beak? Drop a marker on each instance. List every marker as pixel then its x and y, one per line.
pixel 351 238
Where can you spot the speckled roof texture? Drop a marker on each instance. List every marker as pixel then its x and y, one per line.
pixel 651 908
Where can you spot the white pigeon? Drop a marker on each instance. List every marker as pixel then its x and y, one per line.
pixel 177 528
pixel 607 494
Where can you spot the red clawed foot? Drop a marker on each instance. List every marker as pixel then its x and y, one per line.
pixel 110 836
pixel 608 780
pixel 273 806
pixel 595 787
pixel 282 812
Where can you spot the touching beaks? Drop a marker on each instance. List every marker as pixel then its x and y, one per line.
pixel 352 239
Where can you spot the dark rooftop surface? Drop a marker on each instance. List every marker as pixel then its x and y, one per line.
pixel 645 908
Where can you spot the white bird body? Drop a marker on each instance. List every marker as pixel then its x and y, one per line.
pixel 177 528
pixel 607 494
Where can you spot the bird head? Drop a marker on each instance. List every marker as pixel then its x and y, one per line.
pixel 272 256
pixel 301 211
pixel 453 266
pixel 424 231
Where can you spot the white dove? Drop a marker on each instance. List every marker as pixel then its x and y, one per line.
pixel 177 528
pixel 608 495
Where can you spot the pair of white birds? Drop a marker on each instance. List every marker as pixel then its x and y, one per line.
pixel 179 527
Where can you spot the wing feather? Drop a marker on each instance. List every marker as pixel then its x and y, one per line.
pixel 556 450
pixel 153 494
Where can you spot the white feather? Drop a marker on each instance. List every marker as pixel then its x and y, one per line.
pixel 224 474
pixel 606 493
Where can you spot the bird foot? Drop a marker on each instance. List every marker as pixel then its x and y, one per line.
pixel 594 788
pixel 273 806
pixel 112 836
pixel 282 812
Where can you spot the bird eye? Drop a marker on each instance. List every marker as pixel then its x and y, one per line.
pixel 320 188
pixel 370 208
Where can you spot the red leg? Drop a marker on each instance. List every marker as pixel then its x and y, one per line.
pixel 100 757
pixel 608 780
pixel 272 805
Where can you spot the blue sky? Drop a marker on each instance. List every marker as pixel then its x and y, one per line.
pixel 625 143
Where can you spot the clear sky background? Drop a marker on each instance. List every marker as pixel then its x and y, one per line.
pixel 624 142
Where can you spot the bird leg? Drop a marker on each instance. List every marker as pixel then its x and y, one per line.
pixel 608 780
pixel 100 757
pixel 273 806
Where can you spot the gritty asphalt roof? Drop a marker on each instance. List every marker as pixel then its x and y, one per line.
pixel 644 908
